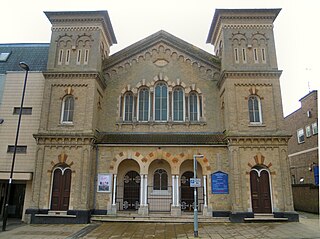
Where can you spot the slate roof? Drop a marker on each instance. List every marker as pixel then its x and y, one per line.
pixel 34 54
pixel 146 138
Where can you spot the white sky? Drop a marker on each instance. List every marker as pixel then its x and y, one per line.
pixel 296 29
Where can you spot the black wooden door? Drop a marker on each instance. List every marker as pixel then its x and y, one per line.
pixel 260 192
pixel 61 190
pixel 187 192
pixel 131 191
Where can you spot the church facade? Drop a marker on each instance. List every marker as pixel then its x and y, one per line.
pixel 129 131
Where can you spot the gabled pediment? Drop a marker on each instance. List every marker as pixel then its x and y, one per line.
pixel 166 42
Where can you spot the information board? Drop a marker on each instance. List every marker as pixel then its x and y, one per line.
pixel 195 182
pixel 219 183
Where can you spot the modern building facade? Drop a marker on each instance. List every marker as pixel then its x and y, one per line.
pixel 11 86
pixel 121 132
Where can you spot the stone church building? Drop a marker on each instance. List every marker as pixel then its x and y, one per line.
pixel 121 132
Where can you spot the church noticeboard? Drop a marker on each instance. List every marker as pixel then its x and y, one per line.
pixel 219 183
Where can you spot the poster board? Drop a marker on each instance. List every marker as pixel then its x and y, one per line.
pixel 104 182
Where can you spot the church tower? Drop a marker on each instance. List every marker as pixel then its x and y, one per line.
pixel 72 107
pixel 252 111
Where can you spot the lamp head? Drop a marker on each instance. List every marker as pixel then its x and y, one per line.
pixel 24 66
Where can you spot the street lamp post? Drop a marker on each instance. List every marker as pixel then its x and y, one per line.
pixel 195 207
pixel 25 67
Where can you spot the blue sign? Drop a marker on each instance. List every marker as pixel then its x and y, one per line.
pixel 316 175
pixel 219 183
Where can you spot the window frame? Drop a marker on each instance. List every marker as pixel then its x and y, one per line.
pixel 25 111
pixel 308 131
pixel 160 100
pixel 160 187
pixel 314 128
pixel 300 133
pixel 64 111
pixel 21 149
pixel 253 111
pixel 196 113
pixel 145 102
pixel 130 112
pixel 181 104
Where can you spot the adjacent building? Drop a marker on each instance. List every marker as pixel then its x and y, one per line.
pixel 304 153
pixel 11 86
pixel 124 132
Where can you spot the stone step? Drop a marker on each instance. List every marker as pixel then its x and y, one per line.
pixel 157 218
pixel 265 217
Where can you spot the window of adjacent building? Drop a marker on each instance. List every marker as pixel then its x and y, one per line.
pixel 128 106
pixel 143 104
pixel 300 136
pixel 20 149
pixel 67 109
pixel 308 131
pixel 178 107
pixel 236 55
pixel 161 102
pixel 314 128
pixel 4 56
pixel 25 110
pixel 254 108
pixel 193 106
pixel 160 180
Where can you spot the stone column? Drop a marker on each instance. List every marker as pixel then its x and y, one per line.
pixel 143 209
pixel 175 207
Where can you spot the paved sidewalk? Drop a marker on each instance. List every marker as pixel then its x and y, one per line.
pixel 308 227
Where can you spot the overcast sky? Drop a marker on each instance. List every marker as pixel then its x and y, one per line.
pixel 296 29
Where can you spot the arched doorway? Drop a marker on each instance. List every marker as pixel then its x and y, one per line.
pixel 131 191
pixel 187 197
pixel 61 184
pixel 260 190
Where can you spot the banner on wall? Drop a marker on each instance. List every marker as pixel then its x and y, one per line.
pixel 104 182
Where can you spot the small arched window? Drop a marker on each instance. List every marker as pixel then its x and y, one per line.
pixel 160 180
pixel 67 109
pixel 143 104
pixel 193 103
pixel 161 102
pixel 254 107
pixel 178 104
pixel 128 106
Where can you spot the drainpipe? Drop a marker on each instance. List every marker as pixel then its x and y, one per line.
pixel 96 179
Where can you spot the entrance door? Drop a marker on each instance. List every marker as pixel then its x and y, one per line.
pixel 131 191
pixel 260 191
pixel 61 189
pixel 187 192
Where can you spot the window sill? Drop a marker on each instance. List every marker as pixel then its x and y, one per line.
pixel 160 193
pixel 169 123
pixel 256 125
pixel 66 124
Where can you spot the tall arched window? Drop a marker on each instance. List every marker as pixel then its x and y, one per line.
pixel 193 105
pixel 178 106
pixel 161 102
pixel 160 180
pixel 67 109
pixel 254 107
pixel 143 104
pixel 128 106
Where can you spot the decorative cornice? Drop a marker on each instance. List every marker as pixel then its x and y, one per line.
pixel 258 141
pixel 65 140
pixel 75 28
pixel 76 75
pixel 248 75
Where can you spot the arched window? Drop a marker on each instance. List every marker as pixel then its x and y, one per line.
pixel 143 104
pixel 161 102
pixel 178 106
pixel 128 106
pixel 160 180
pixel 67 109
pixel 254 107
pixel 193 105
